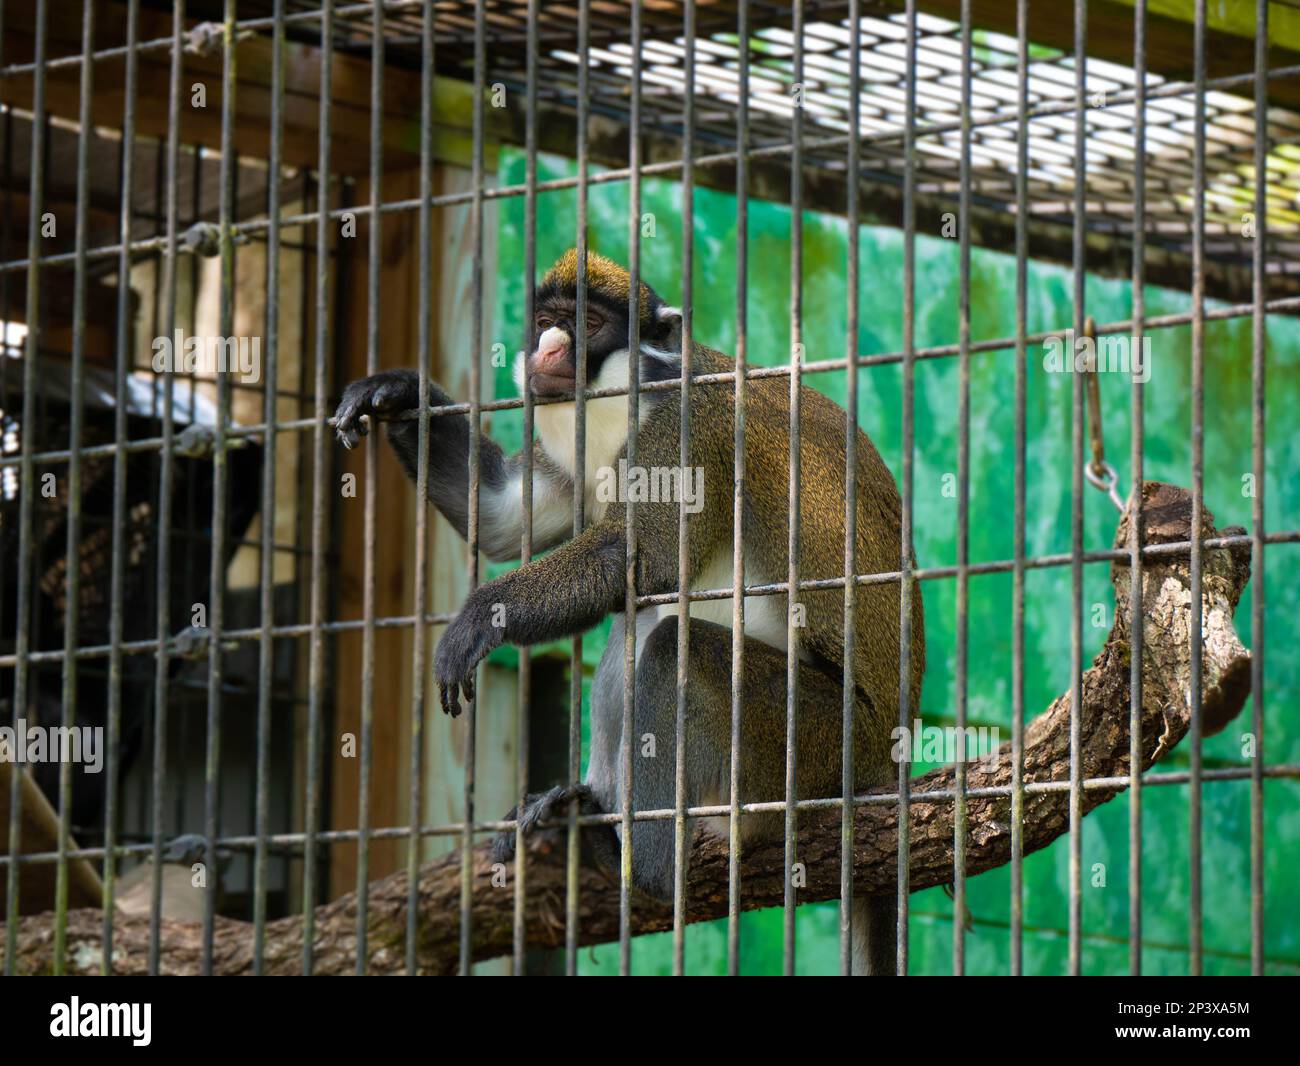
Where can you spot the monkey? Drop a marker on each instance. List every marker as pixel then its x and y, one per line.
pixel 583 577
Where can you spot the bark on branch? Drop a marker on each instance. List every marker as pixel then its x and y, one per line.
pixel 1166 673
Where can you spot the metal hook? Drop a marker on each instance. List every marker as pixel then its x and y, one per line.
pixel 1105 479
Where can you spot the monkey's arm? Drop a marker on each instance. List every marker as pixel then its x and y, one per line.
pixel 563 594
pixel 501 512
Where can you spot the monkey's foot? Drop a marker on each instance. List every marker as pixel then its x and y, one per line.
pixel 599 844
pixel 377 397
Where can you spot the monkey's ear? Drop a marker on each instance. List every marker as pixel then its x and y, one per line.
pixel 669 321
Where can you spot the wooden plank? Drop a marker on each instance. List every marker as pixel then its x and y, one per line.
pixel 39 832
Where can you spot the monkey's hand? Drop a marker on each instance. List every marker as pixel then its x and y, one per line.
pixel 376 398
pixel 599 844
pixel 472 634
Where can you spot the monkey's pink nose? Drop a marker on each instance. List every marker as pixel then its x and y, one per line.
pixel 552 355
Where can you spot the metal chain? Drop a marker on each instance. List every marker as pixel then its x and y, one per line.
pixel 1100 474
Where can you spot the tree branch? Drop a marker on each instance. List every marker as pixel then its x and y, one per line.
pixel 1104 721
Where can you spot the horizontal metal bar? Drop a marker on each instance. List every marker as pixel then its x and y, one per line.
pixel 1286 771
pixel 779 588
pixel 1282 305
pixel 159 43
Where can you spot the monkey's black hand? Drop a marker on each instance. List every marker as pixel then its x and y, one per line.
pixel 599 844
pixel 377 397
pixel 473 633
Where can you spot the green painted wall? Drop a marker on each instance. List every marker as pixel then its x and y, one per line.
pixel 1047 662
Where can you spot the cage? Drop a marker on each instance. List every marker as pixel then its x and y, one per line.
pixel 217 215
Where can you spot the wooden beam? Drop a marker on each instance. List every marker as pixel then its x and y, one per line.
pixel 1229 46
pixel 350 117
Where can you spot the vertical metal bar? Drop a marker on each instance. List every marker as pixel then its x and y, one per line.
pixel 796 381
pixel 320 463
pixel 374 253
pixel 220 464
pixel 270 383
pixel 1137 435
pixel 420 633
pixel 475 441
pixel 633 407
pixel 683 545
pixel 1018 573
pixel 72 550
pixel 1194 886
pixel 1076 506
pixel 959 814
pixel 526 479
pixel 1258 366
pixel 117 579
pixel 190 565
pixel 905 585
pixel 573 854
pixel 738 500
pixel 849 684
pixel 27 487
pixel 158 773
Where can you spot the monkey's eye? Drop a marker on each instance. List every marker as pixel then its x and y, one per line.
pixel 594 322
pixel 544 322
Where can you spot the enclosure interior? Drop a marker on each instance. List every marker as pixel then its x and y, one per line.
pixel 336 302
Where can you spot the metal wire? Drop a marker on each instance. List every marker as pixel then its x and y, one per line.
pixel 1137 449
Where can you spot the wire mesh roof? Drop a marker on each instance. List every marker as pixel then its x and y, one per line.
pixel 1110 117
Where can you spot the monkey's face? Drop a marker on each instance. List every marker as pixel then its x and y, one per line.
pixel 552 365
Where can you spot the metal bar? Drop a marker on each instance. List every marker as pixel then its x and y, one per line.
pixel 1076 492
pixel 633 407
pixel 1137 437
pixel 1018 572
pixel 738 500
pixel 424 354
pixel 220 464
pixel 1283 771
pixel 959 816
pixel 27 475
pixel 526 482
pixel 161 698
pixel 792 614
pixel 1258 369
pixel 1286 305
pixel 266 650
pixel 373 260
pixel 117 578
pixel 683 543
pixel 1194 887
pixel 573 854
pixel 848 681
pixel 905 584
pixel 72 549
pixel 320 463
pixel 475 442
pixel 779 588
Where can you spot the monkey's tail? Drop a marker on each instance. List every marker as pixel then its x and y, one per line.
pixel 875 936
